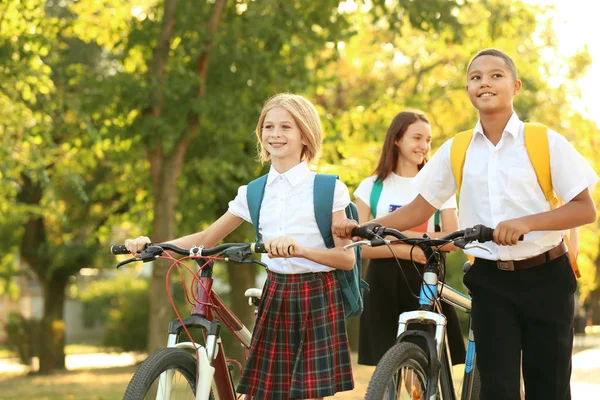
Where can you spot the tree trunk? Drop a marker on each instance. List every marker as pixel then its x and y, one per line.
pixel 52 333
pixel 165 169
pixel 241 277
pixel 162 230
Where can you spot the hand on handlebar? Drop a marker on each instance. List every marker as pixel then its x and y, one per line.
pixel 283 247
pixel 343 229
pixel 137 245
pixel 509 232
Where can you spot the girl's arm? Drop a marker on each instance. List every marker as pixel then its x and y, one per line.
pixel 212 235
pixel 336 257
pixel 208 237
pixel 400 250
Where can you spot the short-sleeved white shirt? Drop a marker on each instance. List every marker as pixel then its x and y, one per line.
pixel 287 210
pixel 499 183
pixel 397 191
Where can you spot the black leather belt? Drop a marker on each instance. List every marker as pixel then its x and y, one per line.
pixel 534 261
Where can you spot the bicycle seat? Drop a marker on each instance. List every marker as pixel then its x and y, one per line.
pixel 253 295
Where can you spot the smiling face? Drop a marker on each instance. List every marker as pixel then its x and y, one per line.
pixel 281 137
pixel 491 85
pixel 415 143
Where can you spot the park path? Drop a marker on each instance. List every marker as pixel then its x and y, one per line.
pixel 585 380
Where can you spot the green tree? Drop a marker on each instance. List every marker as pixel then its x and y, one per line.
pixel 59 177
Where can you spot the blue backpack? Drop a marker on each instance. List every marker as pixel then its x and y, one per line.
pixel 350 281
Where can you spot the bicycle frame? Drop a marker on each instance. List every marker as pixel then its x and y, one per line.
pixel 426 315
pixel 212 364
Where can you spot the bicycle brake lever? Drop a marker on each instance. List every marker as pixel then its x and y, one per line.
pixel 129 260
pixel 358 243
pixel 477 246
pixel 262 264
pixel 239 254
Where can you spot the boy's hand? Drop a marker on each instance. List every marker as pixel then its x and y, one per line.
pixel 283 247
pixel 507 233
pixel 343 229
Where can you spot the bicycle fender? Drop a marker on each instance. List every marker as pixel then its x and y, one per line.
pixel 434 362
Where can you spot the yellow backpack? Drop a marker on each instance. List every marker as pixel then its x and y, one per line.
pixel 536 143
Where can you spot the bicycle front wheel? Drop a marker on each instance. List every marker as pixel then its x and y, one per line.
pixel 400 374
pixel 168 374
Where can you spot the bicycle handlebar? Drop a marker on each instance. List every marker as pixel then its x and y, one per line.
pixel 374 232
pixel 237 252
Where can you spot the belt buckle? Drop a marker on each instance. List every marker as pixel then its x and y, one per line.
pixel 506 265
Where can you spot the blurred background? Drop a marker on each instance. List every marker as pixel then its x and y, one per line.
pixel 120 118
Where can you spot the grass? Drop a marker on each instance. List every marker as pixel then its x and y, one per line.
pixel 89 384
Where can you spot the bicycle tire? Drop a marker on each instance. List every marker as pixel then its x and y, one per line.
pixel 160 361
pixel 476 387
pixel 398 356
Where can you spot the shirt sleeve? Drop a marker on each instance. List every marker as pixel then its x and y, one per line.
pixel 363 191
pixel 239 205
pixel 341 197
pixel 435 182
pixel 570 172
pixel 450 204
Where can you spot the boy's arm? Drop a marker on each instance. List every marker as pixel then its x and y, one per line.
pixel 400 250
pixel 336 257
pixel 414 213
pixel 577 212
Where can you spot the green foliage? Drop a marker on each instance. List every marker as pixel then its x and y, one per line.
pixel 121 305
pixel 21 335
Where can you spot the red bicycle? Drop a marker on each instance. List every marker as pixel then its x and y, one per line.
pixel 185 369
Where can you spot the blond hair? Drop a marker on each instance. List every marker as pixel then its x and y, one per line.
pixel 306 117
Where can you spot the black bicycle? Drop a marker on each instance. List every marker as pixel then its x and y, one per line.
pixel 418 366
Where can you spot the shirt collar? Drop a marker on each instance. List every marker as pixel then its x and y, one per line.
pixel 294 175
pixel 513 126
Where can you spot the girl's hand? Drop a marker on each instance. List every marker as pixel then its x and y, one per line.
pixel 135 246
pixel 418 256
pixel 283 247
pixel 507 233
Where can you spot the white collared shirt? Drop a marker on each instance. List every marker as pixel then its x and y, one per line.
pixel 287 210
pixel 499 183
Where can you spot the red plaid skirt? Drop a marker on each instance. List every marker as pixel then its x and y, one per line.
pixel 299 346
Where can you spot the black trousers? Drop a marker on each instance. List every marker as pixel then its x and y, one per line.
pixel 388 298
pixel 528 312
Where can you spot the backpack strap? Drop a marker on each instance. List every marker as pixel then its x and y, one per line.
pixel 324 190
pixel 437 227
pixel 458 153
pixel 254 195
pixel 538 150
pixel 375 195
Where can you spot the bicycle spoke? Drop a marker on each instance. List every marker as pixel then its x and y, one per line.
pixel 406 384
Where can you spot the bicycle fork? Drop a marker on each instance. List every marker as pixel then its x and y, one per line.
pixel 204 356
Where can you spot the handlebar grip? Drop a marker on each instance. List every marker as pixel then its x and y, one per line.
pixel 259 248
pixel 366 231
pixel 119 249
pixel 487 234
